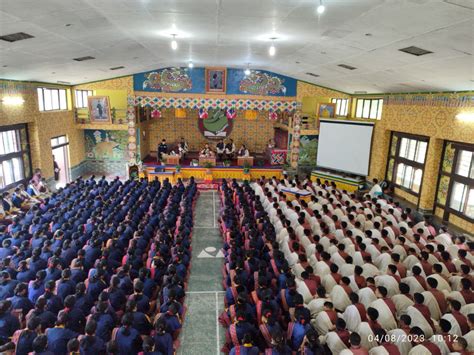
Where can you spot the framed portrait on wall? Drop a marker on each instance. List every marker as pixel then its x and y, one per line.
pixel 99 109
pixel 326 110
pixel 216 80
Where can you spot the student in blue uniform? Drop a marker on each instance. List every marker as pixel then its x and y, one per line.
pixel 76 318
pixel 40 346
pixel 90 344
pixel 65 286
pixel 9 324
pixel 297 330
pixel 247 347
pixel 59 336
pixel 23 338
pixel 163 340
pixel 127 338
pixel 20 299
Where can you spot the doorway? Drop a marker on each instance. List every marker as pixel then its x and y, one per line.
pixel 60 150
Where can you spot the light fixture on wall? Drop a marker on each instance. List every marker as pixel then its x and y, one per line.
pixel 247 70
pixel 272 49
pixel 321 8
pixel 190 64
pixel 13 100
pixel 465 116
pixel 174 43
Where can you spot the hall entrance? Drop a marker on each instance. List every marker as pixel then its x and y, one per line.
pixel 60 150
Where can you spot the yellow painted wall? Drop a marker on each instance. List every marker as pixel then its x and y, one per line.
pixel 439 123
pixel 42 126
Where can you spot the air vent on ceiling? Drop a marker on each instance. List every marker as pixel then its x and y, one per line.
pixel 63 82
pixel 360 92
pixel 117 68
pixel 81 59
pixel 13 37
pixel 345 66
pixel 415 51
pixel 312 74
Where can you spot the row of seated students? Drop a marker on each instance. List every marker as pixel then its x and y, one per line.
pixel 97 268
pixel 341 275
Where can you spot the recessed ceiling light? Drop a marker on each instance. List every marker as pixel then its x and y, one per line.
pixel 272 49
pixel 14 37
pixel 415 51
pixel 321 8
pixel 247 70
pixel 174 43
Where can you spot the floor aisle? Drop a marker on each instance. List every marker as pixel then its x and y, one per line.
pixel 202 334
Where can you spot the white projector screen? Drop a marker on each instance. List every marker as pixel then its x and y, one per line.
pixel 345 146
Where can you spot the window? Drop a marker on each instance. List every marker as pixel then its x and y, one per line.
pixel 52 99
pixel 81 98
pixel 342 106
pixel 465 164
pixel 57 141
pixel 14 155
pixel 369 108
pixel 461 195
pixel 406 161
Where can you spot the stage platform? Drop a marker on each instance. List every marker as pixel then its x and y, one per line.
pixel 152 171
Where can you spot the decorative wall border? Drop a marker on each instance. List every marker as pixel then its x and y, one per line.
pixel 210 103
pixel 439 100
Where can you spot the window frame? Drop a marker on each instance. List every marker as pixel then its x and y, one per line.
pixel 84 105
pixel 17 154
pixel 60 99
pixel 338 102
pixel 378 115
pixel 415 165
pixel 454 177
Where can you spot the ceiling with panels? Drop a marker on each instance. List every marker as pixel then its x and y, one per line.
pixel 136 34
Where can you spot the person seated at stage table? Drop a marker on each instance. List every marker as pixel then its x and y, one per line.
pixel 220 148
pixel 230 149
pixel 162 149
pixel 271 144
pixel 206 152
pixel 243 151
pixel 183 147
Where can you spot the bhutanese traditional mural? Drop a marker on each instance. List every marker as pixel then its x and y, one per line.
pixel 192 80
pixel 168 80
pixel 106 144
pixel 258 83
pixel 308 150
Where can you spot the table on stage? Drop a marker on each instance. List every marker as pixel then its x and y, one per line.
pixel 172 159
pixel 302 194
pixel 204 160
pixel 242 160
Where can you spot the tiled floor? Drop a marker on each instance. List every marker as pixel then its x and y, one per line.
pixel 202 334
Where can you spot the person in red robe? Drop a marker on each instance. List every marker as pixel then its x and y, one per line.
pixel 437 294
pixel 423 309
